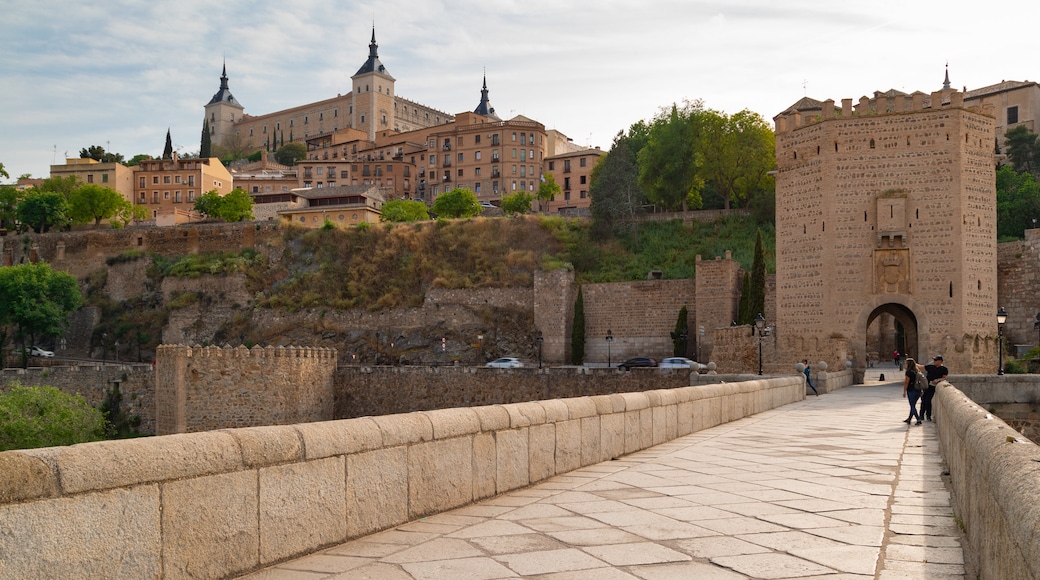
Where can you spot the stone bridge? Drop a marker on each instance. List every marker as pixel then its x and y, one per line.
pixel 223 503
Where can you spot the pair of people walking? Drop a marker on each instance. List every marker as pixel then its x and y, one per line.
pixel 919 383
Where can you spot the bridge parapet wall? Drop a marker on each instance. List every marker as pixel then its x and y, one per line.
pixel 221 503
pixel 995 485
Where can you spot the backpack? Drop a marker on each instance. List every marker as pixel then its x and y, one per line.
pixel 920 381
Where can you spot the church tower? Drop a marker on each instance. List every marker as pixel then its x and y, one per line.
pixel 222 111
pixel 485 108
pixel 373 88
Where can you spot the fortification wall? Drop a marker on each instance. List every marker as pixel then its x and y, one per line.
pixel 640 315
pixel 363 391
pixel 554 296
pixel 993 472
pixel 717 286
pixel 222 503
pixel 136 385
pixel 199 389
pixel 1018 277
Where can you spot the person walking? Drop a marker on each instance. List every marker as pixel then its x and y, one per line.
pixel 910 390
pixel 808 377
pixel 936 373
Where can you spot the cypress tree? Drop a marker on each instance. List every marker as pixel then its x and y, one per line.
pixel 168 151
pixel 681 328
pixel 205 148
pixel 578 331
pixel 758 280
pixel 743 310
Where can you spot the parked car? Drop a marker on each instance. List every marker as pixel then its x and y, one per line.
pixel 640 361
pixel 37 351
pixel 677 362
pixel 507 362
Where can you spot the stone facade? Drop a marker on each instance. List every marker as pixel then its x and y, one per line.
pixel 198 389
pixel 1018 277
pixel 718 286
pixel 640 316
pixel 888 207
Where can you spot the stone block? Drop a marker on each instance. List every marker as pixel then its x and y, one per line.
pixel 24 477
pixel 328 438
pixel 568 445
pixel 542 447
pixel 111 464
pixel 449 423
pixel 580 407
pixel 484 465
pixel 404 428
pixel 635 401
pixel 108 534
pixel 684 418
pixel 511 459
pixel 210 525
pixel 440 476
pixel 607 404
pixel 302 508
pixel 525 414
pixel 612 432
pixel 377 490
pixel 262 446
pixel 492 418
pixel 591 441
pixel 555 410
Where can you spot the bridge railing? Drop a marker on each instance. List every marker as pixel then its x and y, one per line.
pixel 220 503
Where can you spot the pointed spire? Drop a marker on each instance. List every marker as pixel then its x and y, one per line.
pixel 168 151
pixel 224 94
pixel 946 83
pixel 372 64
pixel 485 108
pixel 223 78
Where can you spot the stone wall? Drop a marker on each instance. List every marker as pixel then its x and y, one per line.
pixel 222 503
pixel 1018 277
pixel 718 287
pixel 199 389
pixel 363 391
pixel 993 473
pixel 640 315
pixel 554 296
pixel 136 385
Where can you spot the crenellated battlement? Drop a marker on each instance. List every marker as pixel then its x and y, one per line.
pixel 809 112
pixel 241 351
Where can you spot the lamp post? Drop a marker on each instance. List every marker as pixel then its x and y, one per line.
pixel 539 339
pixel 760 324
pixel 1001 319
pixel 104 347
pixel 1036 325
pixel 609 339
pixel 683 336
pixel 700 340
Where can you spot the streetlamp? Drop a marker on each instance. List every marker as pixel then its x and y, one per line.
pixel 539 339
pixel 683 336
pixel 104 346
pixel 1036 325
pixel 609 339
pixel 700 339
pixel 1001 319
pixel 760 324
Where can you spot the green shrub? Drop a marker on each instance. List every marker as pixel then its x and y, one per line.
pixel 32 417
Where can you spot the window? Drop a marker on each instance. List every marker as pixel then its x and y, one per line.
pixel 155 179
pixel 460 157
pixel 460 173
pixel 166 179
pixel 566 196
pixel 191 180
pixel 1012 115
pixel 104 178
pixel 140 181
pixel 476 139
pixel 305 119
pixel 584 194
pixel 581 162
pixel 476 155
pixel 552 165
pixel 514 139
pixel 177 196
pixel 166 195
pixel 581 179
pixel 476 171
pixel 90 178
pixel 566 165
pixel 155 197
pixel 176 178
pixel 362 117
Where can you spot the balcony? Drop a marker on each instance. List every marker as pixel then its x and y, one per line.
pixel 447 147
pixel 447 162
pixel 495 159
pixel 496 174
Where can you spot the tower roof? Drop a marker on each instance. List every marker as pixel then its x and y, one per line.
pixel 224 94
pixel 485 108
pixel 372 65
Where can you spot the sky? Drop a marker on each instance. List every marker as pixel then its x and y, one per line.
pixel 120 73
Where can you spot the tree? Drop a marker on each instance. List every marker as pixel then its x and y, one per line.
pixel 3 172
pixel 457 203
pixel 236 206
pixel 43 210
pixel 37 301
pixel 614 188
pixel 9 198
pixel 95 202
pixel 206 146
pixel 137 159
pixel 547 189
pixel 168 150
pixel 1018 202
pixel 1023 150
pixel 129 213
pixel 681 334
pixel 34 417
pixel 518 202
pixel 578 331
pixel 63 185
pixel 404 210
pixel 290 153
pixel 754 287
pixel 735 155
pixel 98 153
pixel 667 168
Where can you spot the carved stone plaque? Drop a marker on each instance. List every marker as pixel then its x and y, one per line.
pixel 892 271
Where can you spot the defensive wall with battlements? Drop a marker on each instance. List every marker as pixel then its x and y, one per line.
pixel 221 503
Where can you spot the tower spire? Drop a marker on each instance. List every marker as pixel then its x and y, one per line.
pixel 485 108
pixel 946 83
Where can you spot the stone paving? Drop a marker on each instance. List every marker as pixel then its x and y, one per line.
pixel 834 487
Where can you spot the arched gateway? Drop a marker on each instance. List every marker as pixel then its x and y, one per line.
pixel 886 230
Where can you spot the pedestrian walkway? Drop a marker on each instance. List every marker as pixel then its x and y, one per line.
pixel 833 487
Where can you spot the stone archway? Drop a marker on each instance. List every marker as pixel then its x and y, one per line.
pixel 902 334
